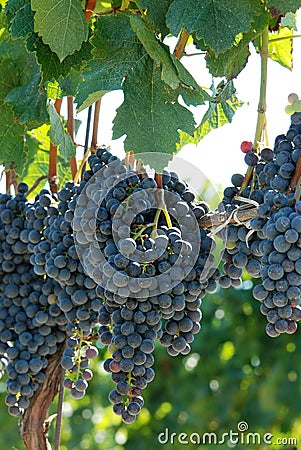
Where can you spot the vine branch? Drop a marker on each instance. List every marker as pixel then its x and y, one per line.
pixel 214 219
pixel 95 125
pixel 33 424
pixel 52 169
pixel 89 8
pixel 70 125
pixel 86 146
pixel 180 46
pixel 261 110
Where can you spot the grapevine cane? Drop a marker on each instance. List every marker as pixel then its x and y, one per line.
pixel 73 163
pixel 52 170
pixel 261 117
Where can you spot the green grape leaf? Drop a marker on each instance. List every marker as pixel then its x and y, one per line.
pixel 59 136
pixel 117 50
pixel 92 98
pixel 22 23
pixel 157 51
pixel 61 24
pixel 216 22
pixel 173 72
pixel 156 13
pixel 283 6
pixel 229 63
pixel 12 148
pixel 19 84
pixel 217 115
pixel 13 6
pixel 69 84
pixel 51 66
pixel 289 20
pixel 29 102
pixel 281 47
pixel 150 113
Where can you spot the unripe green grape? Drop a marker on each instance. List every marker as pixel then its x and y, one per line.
pixel 292 98
pixel 297 105
pixel 289 109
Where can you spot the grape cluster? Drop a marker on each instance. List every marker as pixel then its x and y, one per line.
pixel 31 324
pixel 134 239
pixel 281 271
pixel 55 256
pixel 268 246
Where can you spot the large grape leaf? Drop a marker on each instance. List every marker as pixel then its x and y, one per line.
pixel 59 136
pixel 61 24
pixel 216 22
pixel 281 47
pixel 150 113
pixel 156 14
pixel 217 115
pixel 116 51
pixel 283 6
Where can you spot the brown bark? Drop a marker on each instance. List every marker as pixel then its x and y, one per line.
pixel 52 168
pixel 89 7
pixel 215 219
pixel 95 126
pixel 34 424
pixel 70 123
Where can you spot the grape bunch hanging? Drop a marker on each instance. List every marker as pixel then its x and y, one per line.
pixel 122 259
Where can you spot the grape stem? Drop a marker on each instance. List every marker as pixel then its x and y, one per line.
pixel 36 184
pixel 285 38
pixel 81 167
pixel 263 49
